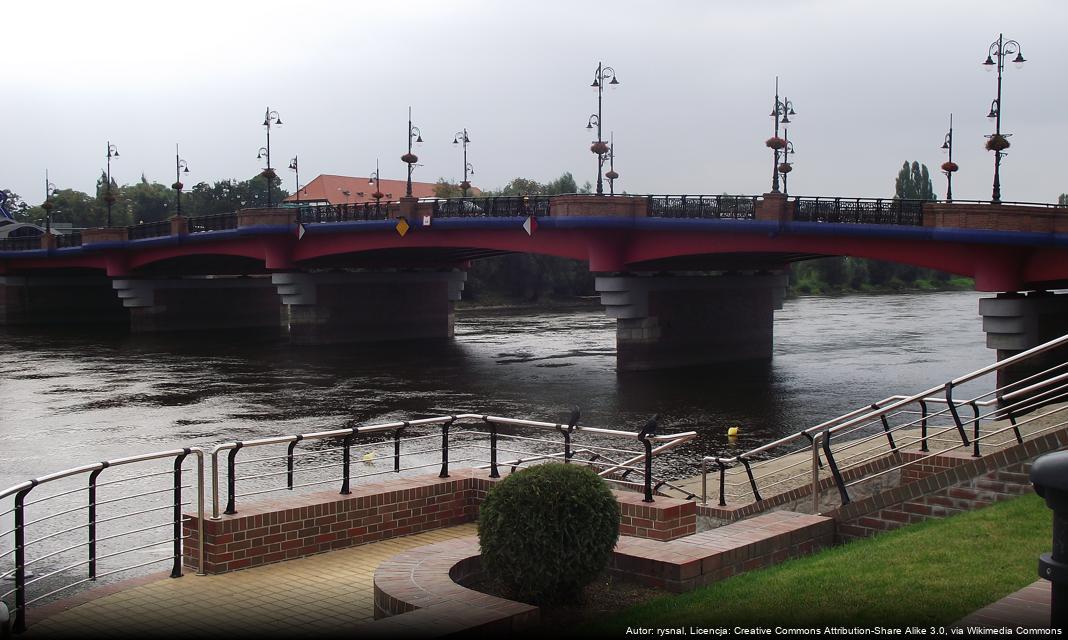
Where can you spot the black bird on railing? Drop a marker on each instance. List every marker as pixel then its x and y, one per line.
pixel 649 430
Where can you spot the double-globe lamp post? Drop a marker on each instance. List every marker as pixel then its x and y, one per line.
pixel 294 167
pixel 998 142
pixel 461 138
pixel 48 205
pixel 410 158
pixel 377 195
pixel 599 147
pixel 781 113
pixel 109 198
pixel 180 167
pixel 270 118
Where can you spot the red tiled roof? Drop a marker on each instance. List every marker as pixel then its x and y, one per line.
pixel 329 188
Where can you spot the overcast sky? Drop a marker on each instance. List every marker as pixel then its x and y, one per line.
pixel 873 85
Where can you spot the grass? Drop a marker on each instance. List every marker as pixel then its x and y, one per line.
pixel 933 573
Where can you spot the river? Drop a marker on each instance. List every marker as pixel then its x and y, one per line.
pixel 67 398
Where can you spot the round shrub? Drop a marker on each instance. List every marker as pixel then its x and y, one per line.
pixel 547 531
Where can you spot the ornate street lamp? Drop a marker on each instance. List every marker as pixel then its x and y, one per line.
pixel 785 167
pixel 611 173
pixel 48 205
pixel 270 118
pixel 998 142
pixel 109 198
pixel 410 158
pixel 949 167
pixel 458 138
pixel 781 113
pixel 294 167
pixel 377 195
pixel 180 167
pixel 599 147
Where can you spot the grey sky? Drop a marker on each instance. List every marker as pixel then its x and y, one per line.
pixel 873 85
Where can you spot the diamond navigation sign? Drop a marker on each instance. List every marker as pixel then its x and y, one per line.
pixel 530 225
pixel 402 227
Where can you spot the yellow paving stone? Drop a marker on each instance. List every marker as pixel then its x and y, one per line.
pixel 326 592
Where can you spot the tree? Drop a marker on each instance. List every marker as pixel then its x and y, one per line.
pixel 15 205
pixel 445 189
pixel 1062 200
pixel 914 183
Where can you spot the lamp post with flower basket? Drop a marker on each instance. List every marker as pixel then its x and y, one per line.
pixel 785 167
pixel 410 158
pixel 949 167
pixel 611 173
pixel 781 113
pixel 180 166
pixel 461 138
pixel 599 147
pixel 998 142
pixel 270 118
pixel 377 195
pixel 109 198
pixel 48 205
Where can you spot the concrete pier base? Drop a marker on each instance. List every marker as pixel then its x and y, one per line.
pixel 59 300
pixel 1015 322
pixel 369 306
pixel 199 304
pixel 672 321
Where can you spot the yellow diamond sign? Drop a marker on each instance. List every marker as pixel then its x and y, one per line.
pixel 403 226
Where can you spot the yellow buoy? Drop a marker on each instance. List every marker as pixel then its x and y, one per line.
pixel 733 432
pixel 369 456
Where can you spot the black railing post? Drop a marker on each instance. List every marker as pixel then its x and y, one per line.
pixel 648 469
pixel 176 570
pixel 231 480
pixel 834 467
pixel 20 558
pixel 975 429
pixel 289 461
pixel 571 423
pixel 396 446
pixel 808 435
pixel 494 473
pixel 886 428
pixel 955 414
pixel 346 461
pixel 722 482
pixel 444 473
pixel 92 519
pixel 752 480
pixel 923 426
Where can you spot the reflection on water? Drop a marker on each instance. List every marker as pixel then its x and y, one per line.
pixel 70 397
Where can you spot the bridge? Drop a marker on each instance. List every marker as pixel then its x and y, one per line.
pixel 689 279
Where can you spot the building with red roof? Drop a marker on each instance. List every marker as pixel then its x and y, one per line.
pixel 330 189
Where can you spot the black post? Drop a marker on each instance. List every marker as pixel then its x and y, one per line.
pixel 346 462
pixel 886 428
pixel 923 426
pixel 975 429
pixel 176 570
pixel 396 447
pixel 20 558
pixel 955 414
pixel 231 480
pixel 838 481
pixel 289 461
pixel 445 448
pixel 752 480
pixel 92 519
pixel 1049 475
pixel 722 482
pixel 494 473
pixel 648 469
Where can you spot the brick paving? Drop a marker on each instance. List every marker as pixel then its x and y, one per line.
pixel 322 594
pixel 1028 608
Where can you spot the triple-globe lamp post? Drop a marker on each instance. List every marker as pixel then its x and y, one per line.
pixel 414 135
pixel 998 142
pixel 599 147
pixel 780 112
pixel 949 167
pixel 269 119
pixel 461 138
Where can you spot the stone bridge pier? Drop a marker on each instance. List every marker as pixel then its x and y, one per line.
pixel 371 306
pixel 59 300
pixel 667 321
pixel 1015 322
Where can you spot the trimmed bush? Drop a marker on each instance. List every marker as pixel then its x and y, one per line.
pixel 547 531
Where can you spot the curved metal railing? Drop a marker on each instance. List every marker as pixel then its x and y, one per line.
pixel 856 446
pixel 703 206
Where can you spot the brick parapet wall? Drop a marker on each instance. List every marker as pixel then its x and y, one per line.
pixel 995 217
pixel 922 465
pixel 299 526
pixel 972 484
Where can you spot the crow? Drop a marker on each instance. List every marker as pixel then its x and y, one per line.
pixel 649 430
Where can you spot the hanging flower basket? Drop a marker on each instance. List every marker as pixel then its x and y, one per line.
pixel 410 158
pixel 268 173
pixel 611 175
pixel 949 167
pixel 775 142
pixel 377 195
pixel 997 142
pixel 109 198
pixel 599 147
pixel 785 168
pixel 177 186
pixel 465 185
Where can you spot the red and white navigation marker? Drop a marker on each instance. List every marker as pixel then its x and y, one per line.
pixel 530 225
pixel 300 231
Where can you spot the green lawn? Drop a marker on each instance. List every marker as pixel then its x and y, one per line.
pixel 932 573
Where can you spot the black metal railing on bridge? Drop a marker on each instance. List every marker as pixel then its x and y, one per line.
pixel 215 222
pixel 491 207
pixel 859 210
pixel 351 212
pixel 148 230
pixel 20 244
pixel 721 206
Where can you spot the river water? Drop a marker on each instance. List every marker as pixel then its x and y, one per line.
pixel 71 398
